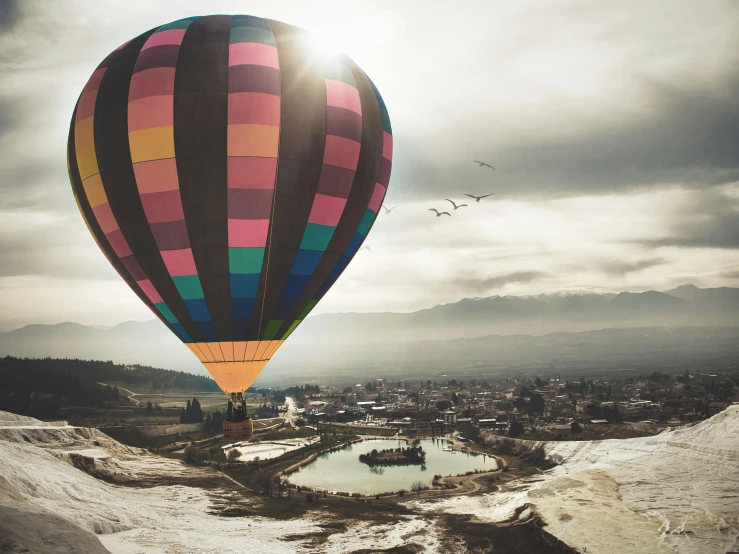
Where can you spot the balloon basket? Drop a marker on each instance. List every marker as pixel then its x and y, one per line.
pixel 236 431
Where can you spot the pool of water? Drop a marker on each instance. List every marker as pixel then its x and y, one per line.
pixel 342 470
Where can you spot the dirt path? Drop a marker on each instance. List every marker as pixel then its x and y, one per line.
pixel 130 395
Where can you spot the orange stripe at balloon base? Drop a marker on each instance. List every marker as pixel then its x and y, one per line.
pixel 234 366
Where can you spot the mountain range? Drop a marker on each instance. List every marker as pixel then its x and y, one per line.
pixel 354 338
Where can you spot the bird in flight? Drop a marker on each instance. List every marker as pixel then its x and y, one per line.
pixel 438 213
pixel 456 207
pixel 386 210
pixel 367 247
pixel 483 164
pixel 478 198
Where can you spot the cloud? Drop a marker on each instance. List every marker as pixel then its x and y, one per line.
pixel 9 14
pixel 483 285
pixel 678 133
pixel 621 268
pixel 705 220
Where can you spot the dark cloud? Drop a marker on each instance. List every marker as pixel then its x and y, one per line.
pixel 680 134
pixel 482 285
pixel 718 231
pixel 732 274
pixel 621 268
pixel 708 220
pixel 9 14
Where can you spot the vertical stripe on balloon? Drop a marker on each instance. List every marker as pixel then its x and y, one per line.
pixel 340 158
pixel 253 136
pixel 151 140
pixel 97 198
pixel 370 214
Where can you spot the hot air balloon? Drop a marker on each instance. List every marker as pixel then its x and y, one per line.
pixel 229 174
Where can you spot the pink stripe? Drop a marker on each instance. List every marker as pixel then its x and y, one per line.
pixel 341 152
pixel 253 107
pixel 93 82
pixel 105 218
pixel 179 262
pixel 387 145
pixel 247 232
pixel 86 105
pixel 252 53
pixel 153 111
pixel 172 36
pixel 342 95
pixel 158 81
pixel 161 207
pixel 377 195
pixel 118 244
pixel 326 210
pixel 251 173
pixel 156 176
pixel 149 290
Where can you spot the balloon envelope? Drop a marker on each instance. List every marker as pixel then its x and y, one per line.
pixel 229 173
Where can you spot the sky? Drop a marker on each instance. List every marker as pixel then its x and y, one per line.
pixel 613 127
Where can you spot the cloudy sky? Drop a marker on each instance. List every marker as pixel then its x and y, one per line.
pixel 614 128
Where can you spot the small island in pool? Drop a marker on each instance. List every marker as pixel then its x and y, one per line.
pixel 413 455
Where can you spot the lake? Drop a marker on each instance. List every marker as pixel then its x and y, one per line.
pixel 342 470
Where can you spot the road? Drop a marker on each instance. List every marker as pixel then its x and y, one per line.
pixel 292 411
pixel 130 395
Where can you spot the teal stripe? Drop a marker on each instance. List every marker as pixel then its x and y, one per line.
pixel 252 34
pixel 179 24
pixel 366 223
pixel 386 121
pixel 338 71
pixel 245 260
pixel 189 287
pixel 317 237
pixel 249 21
pixel 166 312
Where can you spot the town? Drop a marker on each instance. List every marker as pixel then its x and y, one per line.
pixel 545 408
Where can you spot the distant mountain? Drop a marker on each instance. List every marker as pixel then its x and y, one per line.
pixel 132 342
pixel 531 315
pixel 347 335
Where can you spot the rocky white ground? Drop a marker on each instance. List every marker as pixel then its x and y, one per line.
pixel 674 492
pixel 66 489
pixel 54 498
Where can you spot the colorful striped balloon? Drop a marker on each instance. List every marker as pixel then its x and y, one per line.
pixel 229 174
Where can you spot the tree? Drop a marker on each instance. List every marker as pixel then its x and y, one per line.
pixel 197 412
pixel 455 399
pixel 149 406
pixel 182 416
pixel 575 428
pixel 516 429
pixel 263 480
pixel 347 390
pixel 193 455
pixel 417 487
pixel 233 455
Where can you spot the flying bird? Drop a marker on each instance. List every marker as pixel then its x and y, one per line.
pixel 386 210
pixel 456 207
pixel 367 247
pixel 438 213
pixel 483 164
pixel 478 198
